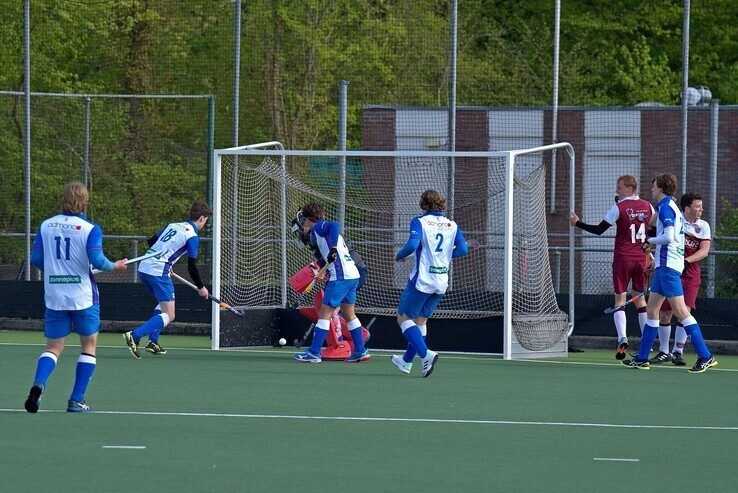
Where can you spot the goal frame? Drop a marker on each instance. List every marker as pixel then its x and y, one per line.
pixel 509 156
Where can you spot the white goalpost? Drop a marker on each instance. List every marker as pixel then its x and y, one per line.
pixel 498 201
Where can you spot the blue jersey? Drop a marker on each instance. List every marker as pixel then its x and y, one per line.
pixel 64 248
pixel 672 254
pixel 435 240
pixel 174 240
pixel 326 236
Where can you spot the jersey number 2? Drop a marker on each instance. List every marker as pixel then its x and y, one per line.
pixel 439 237
pixel 58 239
pixel 640 235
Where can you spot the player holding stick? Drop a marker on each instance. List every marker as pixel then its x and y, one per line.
pixel 64 248
pixel 173 240
pixel 666 282
pixel 697 240
pixel 434 240
pixel 631 216
pixel 340 290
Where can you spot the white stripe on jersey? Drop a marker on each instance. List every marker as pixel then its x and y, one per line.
pixel 344 267
pixel 433 256
pixel 68 283
pixel 173 244
pixel 671 255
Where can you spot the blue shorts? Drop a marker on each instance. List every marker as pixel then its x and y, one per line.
pixel 60 323
pixel 337 292
pixel 414 303
pixel 161 287
pixel 667 282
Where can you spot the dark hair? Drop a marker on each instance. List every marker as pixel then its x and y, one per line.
pixel 313 211
pixel 199 209
pixel 688 198
pixel 431 200
pixel 666 182
pixel 629 181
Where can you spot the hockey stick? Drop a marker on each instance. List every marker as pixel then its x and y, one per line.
pixel 133 260
pixel 215 300
pixel 634 298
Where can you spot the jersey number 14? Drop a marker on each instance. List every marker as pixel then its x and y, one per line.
pixel 639 235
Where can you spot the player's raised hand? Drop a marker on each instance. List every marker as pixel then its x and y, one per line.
pixel 332 254
pixel 203 292
pixel 573 218
pixel 121 264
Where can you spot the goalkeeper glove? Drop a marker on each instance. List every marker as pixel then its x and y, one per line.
pixel 332 254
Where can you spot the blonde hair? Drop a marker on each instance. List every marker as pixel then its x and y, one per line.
pixel 75 198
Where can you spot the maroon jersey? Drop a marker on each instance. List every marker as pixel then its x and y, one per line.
pixel 631 216
pixel 694 235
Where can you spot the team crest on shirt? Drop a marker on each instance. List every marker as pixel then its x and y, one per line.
pixel 633 215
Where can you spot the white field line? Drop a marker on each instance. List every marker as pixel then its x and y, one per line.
pixel 480 357
pixel 615 459
pixel 126 447
pixel 401 420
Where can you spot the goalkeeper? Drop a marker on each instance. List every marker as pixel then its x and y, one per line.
pixel 340 290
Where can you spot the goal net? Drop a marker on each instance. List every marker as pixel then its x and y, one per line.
pixel 374 195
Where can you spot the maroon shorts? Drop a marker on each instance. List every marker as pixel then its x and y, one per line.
pixel 691 288
pixel 625 271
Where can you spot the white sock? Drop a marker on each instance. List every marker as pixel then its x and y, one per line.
pixel 619 317
pixel 664 334
pixel 680 339
pixel 642 319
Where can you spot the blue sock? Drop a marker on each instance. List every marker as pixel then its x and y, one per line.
pixel 414 337
pixel 358 337
pixel 698 342
pixel 319 335
pixel 410 353
pixel 154 336
pixel 45 365
pixel 155 323
pixel 649 337
pixel 85 369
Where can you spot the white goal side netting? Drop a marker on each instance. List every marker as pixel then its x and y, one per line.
pixel 259 194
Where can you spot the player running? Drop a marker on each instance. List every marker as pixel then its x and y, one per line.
pixel 434 240
pixel 340 290
pixel 666 282
pixel 172 241
pixel 631 215
pixel 64 248
pixel 697 241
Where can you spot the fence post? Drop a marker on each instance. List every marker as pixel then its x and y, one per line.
pixel 450 197
pixel 342 117
pixel 27 136
pixel 86 144
pixel 685 85
pixel 134 253
pixel 555 103
pixel 712 194
pixel 210 147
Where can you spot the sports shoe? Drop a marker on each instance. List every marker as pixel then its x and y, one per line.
pixel 429 363
pixel 33 397
pixel 661 358
pixel 677 359
pixel 155 348
pixel 132 344
pixel 622 348
pixel 401 364
pixel 77 407
pixel 307 357
pixel 640 365
pixel 358 356
pixel 702 364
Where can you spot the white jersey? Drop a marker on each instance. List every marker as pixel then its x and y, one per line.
pixel 672 254
pixel 344 267
pixel 68 281
pixel 174 240
pixel 433 255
